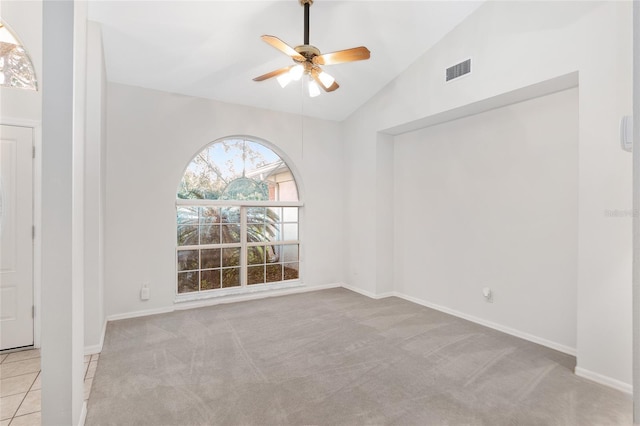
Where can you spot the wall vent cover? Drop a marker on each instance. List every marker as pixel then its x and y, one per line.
pixel 459 70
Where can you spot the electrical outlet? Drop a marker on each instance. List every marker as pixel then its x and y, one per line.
pixel 144 292
pixel 488 294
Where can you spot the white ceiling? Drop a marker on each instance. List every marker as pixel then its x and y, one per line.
pixel 212 49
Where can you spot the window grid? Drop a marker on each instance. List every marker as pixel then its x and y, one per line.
pixel 206 262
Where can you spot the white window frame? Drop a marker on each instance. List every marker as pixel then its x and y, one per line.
pixel 244 288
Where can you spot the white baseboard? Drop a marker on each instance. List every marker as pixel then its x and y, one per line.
pixel 83 414
pixel 368 293
pixel 604 380
pixel 137 314
pixel 92 349
pixel 598 378
pixel 253 296
pixel 96 349
pixel 508 330
pixel 221 300
pixel 581 372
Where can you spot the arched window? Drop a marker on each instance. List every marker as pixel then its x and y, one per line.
pixel 237 213
pixel 16 69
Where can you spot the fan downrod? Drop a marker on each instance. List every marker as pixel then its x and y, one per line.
pixel 306 4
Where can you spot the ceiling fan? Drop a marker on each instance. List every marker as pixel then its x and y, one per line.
pixel 308 60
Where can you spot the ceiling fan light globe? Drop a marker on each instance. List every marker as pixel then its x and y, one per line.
pixel 314 90
pixel 296 72
pixel 326 79
pixel 284 79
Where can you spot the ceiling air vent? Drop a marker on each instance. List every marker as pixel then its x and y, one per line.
pixel 459 70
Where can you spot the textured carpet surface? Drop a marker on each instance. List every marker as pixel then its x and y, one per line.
pixel 334 357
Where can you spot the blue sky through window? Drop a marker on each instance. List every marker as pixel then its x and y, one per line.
pixel 211 171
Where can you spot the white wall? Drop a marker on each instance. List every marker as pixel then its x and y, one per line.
pixel 515 45
pixel 152 136
pixel 492 200
pixel 604 263
pixel 94 191
pixel 386 209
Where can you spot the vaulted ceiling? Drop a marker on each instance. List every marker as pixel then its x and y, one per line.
pixel 212 49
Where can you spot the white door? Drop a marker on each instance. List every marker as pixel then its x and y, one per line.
pixel 16 237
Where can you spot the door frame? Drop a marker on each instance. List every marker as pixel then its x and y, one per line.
pixel 36 127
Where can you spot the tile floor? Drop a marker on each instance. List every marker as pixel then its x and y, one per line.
pixel 20 386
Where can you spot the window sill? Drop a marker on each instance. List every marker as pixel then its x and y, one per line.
pixel 233 293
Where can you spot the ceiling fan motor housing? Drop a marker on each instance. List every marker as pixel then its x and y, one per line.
pixel 307 51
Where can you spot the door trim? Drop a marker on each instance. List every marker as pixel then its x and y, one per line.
pixel 36 127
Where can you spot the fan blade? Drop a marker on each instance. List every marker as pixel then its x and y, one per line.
pixel 350 55
pixel 315 74
pixel 274 73
pixel 283 47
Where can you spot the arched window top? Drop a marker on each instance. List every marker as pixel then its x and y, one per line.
pixel 238 169
pixel 16 68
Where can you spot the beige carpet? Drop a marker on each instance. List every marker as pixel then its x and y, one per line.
pixel 334 357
